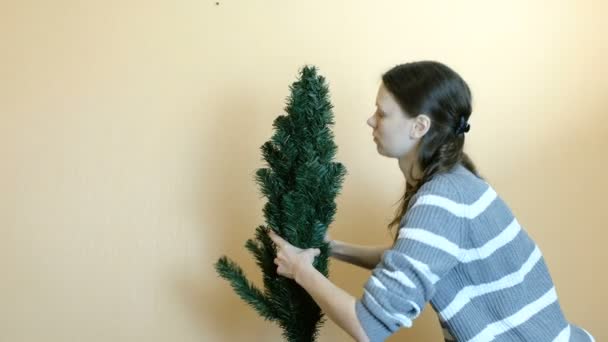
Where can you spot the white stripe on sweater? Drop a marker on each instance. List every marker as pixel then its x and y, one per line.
pixel 463 255
pixel 466 294
pixel 459 209
pixel 400 277
pixel 564 335
pixel 378 283
pixel 404 320
pixel 422 268
pixel 504 325
pixel 415 306
pixel 588 334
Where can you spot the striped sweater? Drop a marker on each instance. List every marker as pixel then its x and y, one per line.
pixel 461 248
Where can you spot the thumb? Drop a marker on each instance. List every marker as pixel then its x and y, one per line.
pixel 313 252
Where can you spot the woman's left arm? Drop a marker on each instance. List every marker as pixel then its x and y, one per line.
pixel 338 305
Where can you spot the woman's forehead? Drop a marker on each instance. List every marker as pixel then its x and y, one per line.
pixel 385 100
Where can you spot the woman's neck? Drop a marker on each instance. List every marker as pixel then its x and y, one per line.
pixel 410 167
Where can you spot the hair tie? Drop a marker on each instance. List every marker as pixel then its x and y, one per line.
pixel 463 127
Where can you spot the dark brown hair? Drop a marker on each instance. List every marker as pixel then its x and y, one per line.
pixel 433 89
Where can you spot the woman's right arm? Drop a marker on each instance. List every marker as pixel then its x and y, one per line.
pixel 364 256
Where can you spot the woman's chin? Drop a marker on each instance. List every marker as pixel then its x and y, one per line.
pixel 380 150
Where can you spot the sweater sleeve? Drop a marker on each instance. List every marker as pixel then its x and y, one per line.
pixel 404 281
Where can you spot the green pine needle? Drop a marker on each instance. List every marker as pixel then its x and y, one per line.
pixel 246 290
pixel 300 182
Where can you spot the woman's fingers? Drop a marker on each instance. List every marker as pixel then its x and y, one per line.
pixel 312 253
pixel 278 241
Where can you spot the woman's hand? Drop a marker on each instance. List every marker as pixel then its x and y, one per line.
pixel 328 240
pixel 291 259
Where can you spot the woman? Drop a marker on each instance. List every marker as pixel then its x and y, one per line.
pixel 458 246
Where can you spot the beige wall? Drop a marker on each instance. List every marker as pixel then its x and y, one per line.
pixel 130 132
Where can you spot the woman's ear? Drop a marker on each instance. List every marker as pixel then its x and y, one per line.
pixel 422 124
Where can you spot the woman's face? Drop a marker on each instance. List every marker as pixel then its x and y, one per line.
pixel 392 127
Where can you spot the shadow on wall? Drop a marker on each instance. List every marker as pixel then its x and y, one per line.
pixel 230 217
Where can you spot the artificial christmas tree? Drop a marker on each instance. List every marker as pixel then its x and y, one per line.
pixel 301 183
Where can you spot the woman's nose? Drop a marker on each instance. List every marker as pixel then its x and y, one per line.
pixel 371 122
